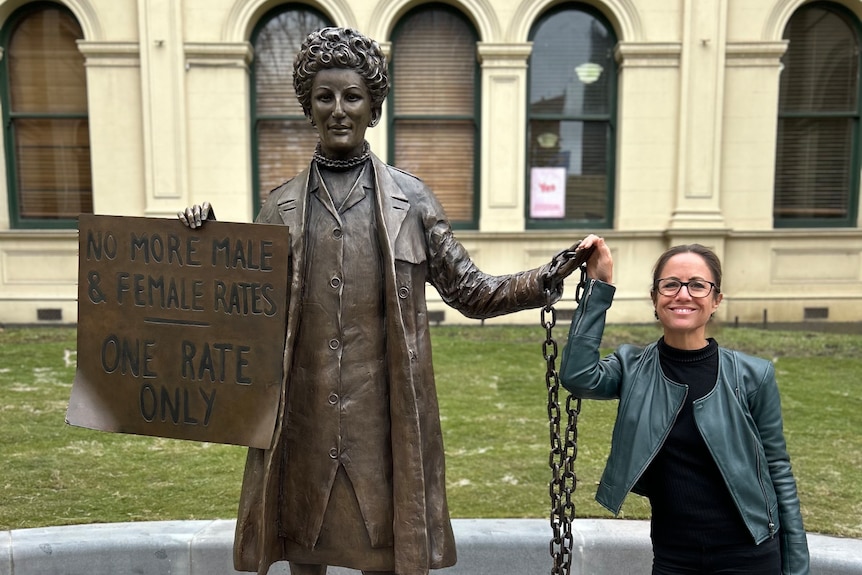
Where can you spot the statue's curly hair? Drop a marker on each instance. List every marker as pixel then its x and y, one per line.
pixel 340 48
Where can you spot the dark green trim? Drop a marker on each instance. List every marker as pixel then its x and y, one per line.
pixel 582 118
pixel 610 119
pixel 854 181
pixel 37 116
pixel 818 115
pixel 15 219
pixel 472 224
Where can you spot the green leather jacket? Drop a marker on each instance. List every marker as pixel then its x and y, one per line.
pixel 740 421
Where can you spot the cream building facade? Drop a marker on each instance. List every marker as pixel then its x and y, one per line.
pixel 692 143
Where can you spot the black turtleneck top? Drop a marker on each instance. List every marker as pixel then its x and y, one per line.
pixel 691 505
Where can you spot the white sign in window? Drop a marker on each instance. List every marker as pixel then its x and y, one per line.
pixel 547 192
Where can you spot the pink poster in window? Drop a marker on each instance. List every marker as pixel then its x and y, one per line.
pixel 547 192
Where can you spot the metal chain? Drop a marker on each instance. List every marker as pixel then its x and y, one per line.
pixel 564 441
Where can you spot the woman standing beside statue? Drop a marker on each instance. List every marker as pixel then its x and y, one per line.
pixel 698 430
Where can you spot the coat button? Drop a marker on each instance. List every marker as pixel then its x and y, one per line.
pixel 333 398
pixel 335 282
pixel 403 292
pixel 333 453
pixel 337 233
pixel 333 344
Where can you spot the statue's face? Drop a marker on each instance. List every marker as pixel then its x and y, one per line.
pixel 341 111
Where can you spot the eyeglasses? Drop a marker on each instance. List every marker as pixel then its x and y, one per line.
pixel 696 288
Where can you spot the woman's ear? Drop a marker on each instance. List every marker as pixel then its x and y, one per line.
pixel 376 114
pixel 716 301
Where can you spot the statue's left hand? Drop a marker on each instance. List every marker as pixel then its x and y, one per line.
pixel 195 216
pixel 579 253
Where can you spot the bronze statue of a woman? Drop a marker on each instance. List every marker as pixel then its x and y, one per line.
pixel 355 475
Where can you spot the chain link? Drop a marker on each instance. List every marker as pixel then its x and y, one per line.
pixel 564 440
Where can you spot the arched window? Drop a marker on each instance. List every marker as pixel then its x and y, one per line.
pixel 572 119
pixel 433 107
pixel 46 126
pixel 283 139
pixel 817 154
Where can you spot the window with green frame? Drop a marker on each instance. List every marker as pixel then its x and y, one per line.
pixel 283 139
pixel 45 118
pixel 817 153
pixel 433 107
pixel 571 117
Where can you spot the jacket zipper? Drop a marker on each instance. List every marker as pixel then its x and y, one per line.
pixel 584 300
pixel 770 523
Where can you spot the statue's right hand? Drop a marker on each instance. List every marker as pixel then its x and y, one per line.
pixel 195 216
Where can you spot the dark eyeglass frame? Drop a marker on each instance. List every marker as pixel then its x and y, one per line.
pixel 682 284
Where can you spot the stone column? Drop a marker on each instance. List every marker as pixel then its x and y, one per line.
pixel 116 141
pixel 160 32
pixel 701 108
pixel 503 133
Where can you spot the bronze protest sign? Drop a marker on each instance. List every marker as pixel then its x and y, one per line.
pixel 180 331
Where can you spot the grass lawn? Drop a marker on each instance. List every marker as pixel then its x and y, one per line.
pixel 493 403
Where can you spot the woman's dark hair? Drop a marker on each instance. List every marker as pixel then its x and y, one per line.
pixel 340 48
pixel 709 257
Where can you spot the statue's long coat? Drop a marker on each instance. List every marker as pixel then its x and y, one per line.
pixel 417 246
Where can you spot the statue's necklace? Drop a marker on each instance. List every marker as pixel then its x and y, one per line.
pixel 340 165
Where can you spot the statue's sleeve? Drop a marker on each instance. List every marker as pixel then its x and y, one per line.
pixel 471 291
